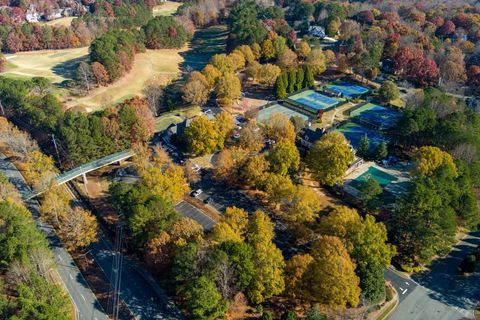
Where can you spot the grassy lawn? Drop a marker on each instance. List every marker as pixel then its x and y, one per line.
pixel 65 21
pixel 55 65
pixel 162 122
pixel 162 65
pixel 204 45
pixel 166 9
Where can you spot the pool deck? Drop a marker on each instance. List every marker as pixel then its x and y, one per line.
pixel 401 173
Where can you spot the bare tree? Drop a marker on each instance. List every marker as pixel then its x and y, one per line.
pixel 85 75
pixel 153 93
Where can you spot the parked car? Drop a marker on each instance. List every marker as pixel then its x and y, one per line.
pixel 196 167
pixel 196 193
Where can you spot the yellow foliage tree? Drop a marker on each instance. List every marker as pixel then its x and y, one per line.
pixel 304 205
pixel 232 227
pixel 170 184
pixel 79 229
pixel 428 159
pixel 202 137
pixel 40 169
pixel 212 74
pixel 228 89
pixel 295 268
pixel 278 127
pixel 330 278
pixel 55 205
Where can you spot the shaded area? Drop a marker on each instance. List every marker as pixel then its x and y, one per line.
pixel 68 69
pixel 205 43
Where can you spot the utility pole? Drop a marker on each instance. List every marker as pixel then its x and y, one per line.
pixel 56 149
pixel 116 272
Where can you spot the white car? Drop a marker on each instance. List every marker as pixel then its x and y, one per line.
pixel 196 167
pixel 196 193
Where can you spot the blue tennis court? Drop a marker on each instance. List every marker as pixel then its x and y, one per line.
pixel 376 116
pixel 264 114
pixel 348 90
pixel 354 133
pixel 314 100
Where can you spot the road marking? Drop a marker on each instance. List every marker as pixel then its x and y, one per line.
pixel 70 275
pixel 83 297
pixel 407 283
pixel 404 291
pixel 60 258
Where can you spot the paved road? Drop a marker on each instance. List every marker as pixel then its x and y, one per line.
pixel 192 212
pixel 142 295
pixel 87 305
pixel 442 293
pixel 402 284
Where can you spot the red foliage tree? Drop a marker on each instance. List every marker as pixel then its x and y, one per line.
pixel 366 16
pixel 14 41
pixel 100 73
pixel 447 29
pixel 438 21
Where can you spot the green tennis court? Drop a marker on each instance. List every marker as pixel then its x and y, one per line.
pixel 264 114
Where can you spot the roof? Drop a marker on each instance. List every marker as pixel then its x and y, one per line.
pixel 311 135
pixel 180 127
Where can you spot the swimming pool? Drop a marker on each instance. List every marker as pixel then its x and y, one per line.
pixel 383 178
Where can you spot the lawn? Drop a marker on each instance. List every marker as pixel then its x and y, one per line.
pixel 162 65
pixel 205 43
pixel 65 21
pixel 166 8
pixel 55 65
pixel 163 122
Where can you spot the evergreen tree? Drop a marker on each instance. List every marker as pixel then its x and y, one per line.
pixel 382 151
pixel 280 87
pixel 292 81
pixel 309 80
pixel 364 147
pixel 204 301
pixel 300 78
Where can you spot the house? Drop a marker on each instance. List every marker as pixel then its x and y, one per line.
pixel 316 31
pixel 179 128
pixel 309 135
pixel 32 15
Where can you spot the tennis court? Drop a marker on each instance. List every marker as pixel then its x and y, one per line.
pixel 348 90
pixel 264 114
pixel 354 133
pixel 376 116
pixel 314 100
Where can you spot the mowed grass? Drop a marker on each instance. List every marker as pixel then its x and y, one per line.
pixel 161 65
pixel 166 9
pixel 55 65
pixel 65 21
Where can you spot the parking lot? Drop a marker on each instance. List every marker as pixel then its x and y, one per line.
pixel 188 210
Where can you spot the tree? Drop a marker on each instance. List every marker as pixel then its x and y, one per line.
pixel 212 74
pixel 329 158
pixel 164 32
pixel 232 227
pixel 253 173
pixel 316 60
pixel 227 163
pixel 278 188
pixel 294 271
pixel 371 191
pixel 202 137
pixel 303 49
pixel 366 241
pixel 278 127
pixel 246 52
pixel 203 300
pixel 388 91
pixel 40 170
pixel 281 86
pixel 85 75
pixel 228 89
pixel 169 183
pixel 287 59
pixel 224 123
pixel 315 314
pixel 3 63
pixel 364 147
pixel 196 89
pixel 269 264
pixel 100 74
pixel 268 51
pixel 79 229
pixel 304 206
pixel 55 205
pixel 292 81
pixel 153 92
pixel 264 73
pixel 428 159
pixel 252 138
pixel 309 79
pixel 8 192
pixel 330 278
pixel 284 158
pixel 381 152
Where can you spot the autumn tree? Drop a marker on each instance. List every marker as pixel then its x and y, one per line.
pixel 294 271
pixel 316 60
pixel 3 63
pixel 196 89
pixel 100 74
pixel 232 227
pixel 227 162
pixel 278 127
pixel 278 188
pixel 329 158
pixel 79 229
pixel 366 241
pixel 268 260
pixel 40 169
pixel 287 59
pixel 224 123
pixel 330 278
pixel 169 183
pixel 253 172
pixel 428 159
pixel 212 74
pixel 252 138
pixel 85 76
pixel 228 89
pixel 264 73
pixel 284 158
pixel 202 136
pixel 303 207
pixel 303 49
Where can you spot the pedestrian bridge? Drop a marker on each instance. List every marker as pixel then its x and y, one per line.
pixel 88 167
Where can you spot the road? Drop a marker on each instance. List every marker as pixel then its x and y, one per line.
pixel 188 210
pixel 440 293
pixel 86 304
